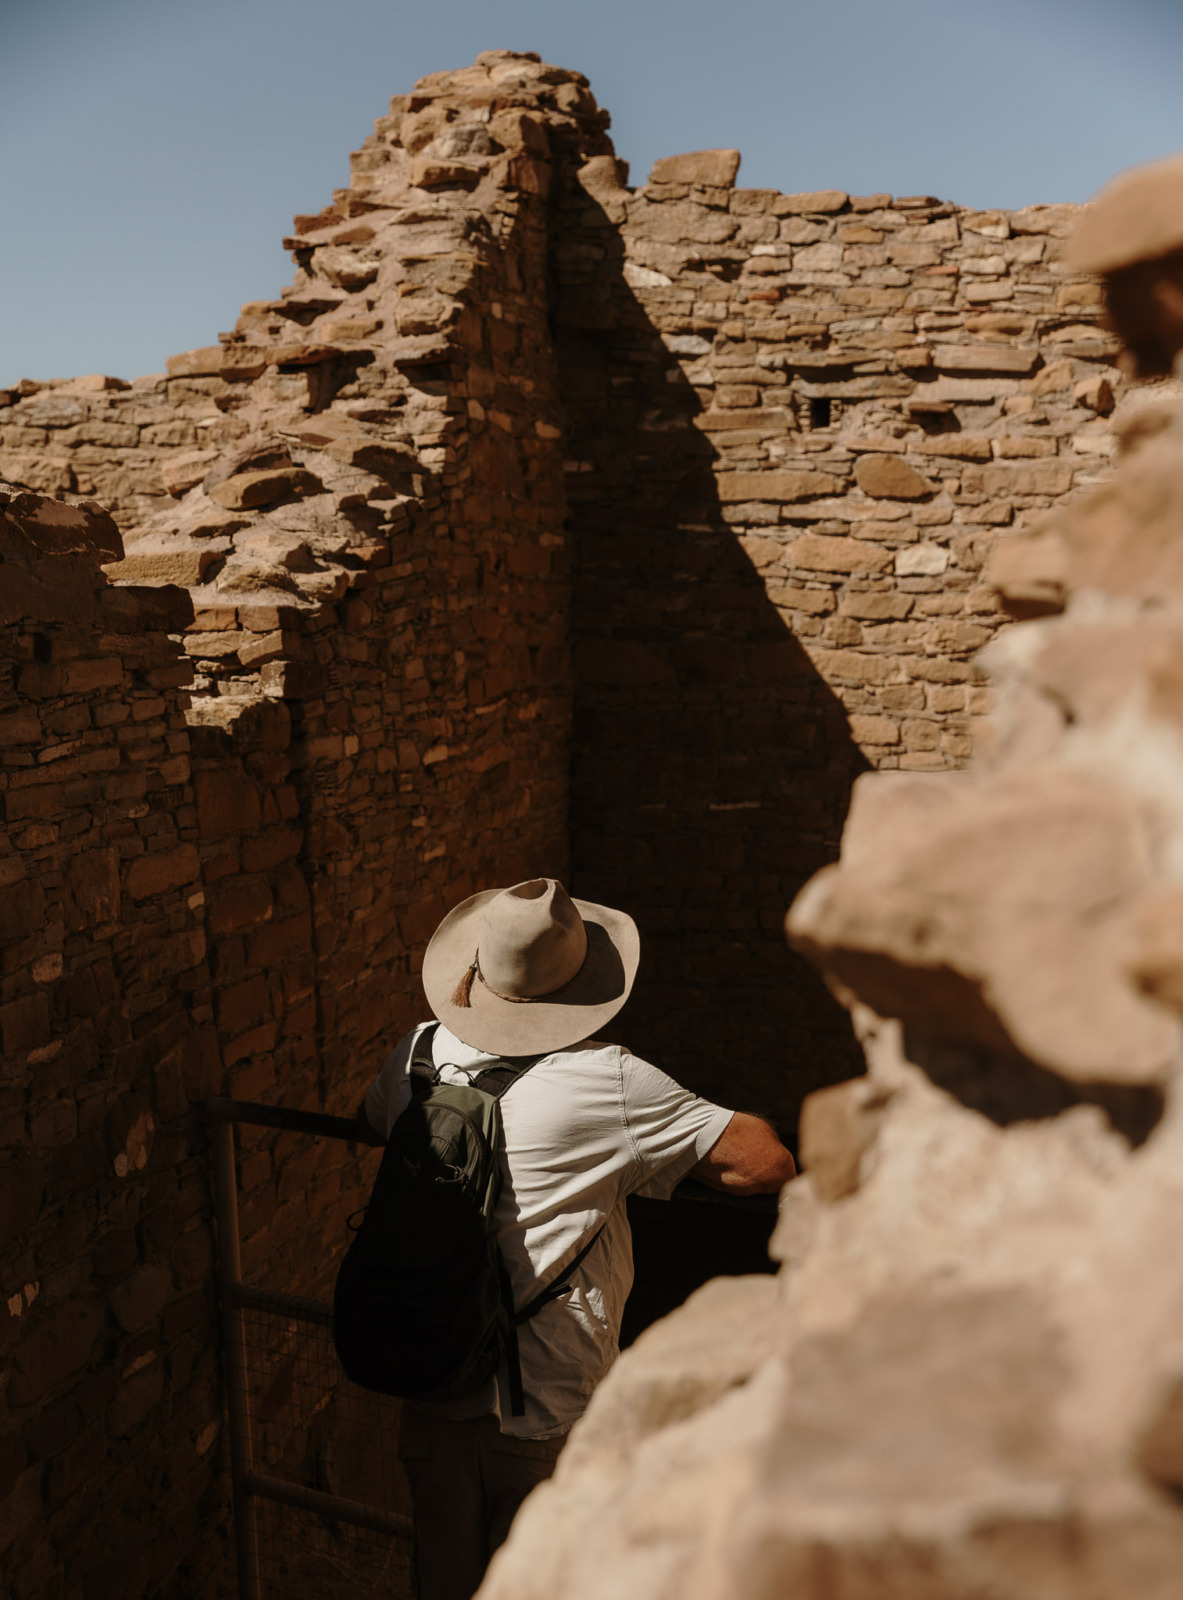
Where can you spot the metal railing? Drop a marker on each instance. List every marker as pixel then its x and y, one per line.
pixel 274 1339
pixel 254 1479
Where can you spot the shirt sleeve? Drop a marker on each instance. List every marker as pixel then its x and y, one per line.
pixel 670 1128
pixel 390 1093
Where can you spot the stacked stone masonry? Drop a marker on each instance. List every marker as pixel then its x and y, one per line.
pixel 109 1466
pixel 967 1380
pixel 540 525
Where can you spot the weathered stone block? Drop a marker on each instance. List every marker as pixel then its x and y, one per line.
pixel 227 802
pixel 821 553
pixel 22 1184
pixel 57 1343
pixel 887 477
pixel 716 168
pixel 249 490
pixel 134 1400
pixel 162 870
pixel 139 1299
pixel 739 487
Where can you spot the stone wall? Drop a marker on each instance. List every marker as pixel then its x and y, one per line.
pixel 373 621
pixel 792 428
pixel 796 424
pixel 110 1415
pixel 538 526
pixel 967 1380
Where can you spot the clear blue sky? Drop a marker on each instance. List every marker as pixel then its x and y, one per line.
pixel 153 152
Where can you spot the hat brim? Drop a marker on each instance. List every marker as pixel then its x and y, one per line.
pixel 531 1027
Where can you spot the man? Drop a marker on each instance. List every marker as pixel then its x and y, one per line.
pixel 523 972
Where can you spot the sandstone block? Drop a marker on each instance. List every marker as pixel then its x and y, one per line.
pixel 817 202
pixel 985 357
pixel 715 168
pixel 56 1344
pixel 92 878
pixel 887 477
pixel 240 903
pixel 22 910
pixel 738 487
pixel 999 482
pixel 227 802
pixel 180 473
pixel 959 446
pixel 392 462
pixel 249 490
pixel 604 178
pixel 205 362
pixel 428 173
pixel 873 730
pixel 1020 446
pixel 24 1023
pixel 241 1005
pixel 139 1299
pixel 821 553
pixel 134 1400
pixel 1095 393
pixel 347 268
pixel 161 871
pixel 921 561
pixel 22 1184
pixel 186 567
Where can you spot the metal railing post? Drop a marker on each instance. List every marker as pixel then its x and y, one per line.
pixel 234 1340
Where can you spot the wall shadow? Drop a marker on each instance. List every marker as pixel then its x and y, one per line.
pixel 712 765
pixel 1011 1089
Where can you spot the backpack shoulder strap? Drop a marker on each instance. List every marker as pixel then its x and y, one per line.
pixel 497 1079
pixel 422 1070
pixel 561 1285
pixel 494 1080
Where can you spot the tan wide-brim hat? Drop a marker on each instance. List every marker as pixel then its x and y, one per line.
pixel 527 970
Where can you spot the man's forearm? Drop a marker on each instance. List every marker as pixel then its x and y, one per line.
pixel 747 1158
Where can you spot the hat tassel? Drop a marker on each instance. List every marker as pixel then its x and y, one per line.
pixel 461 995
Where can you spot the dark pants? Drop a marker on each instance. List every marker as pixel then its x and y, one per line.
pixel 467 1481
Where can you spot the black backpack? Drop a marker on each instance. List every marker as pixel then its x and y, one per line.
pixel 422 1306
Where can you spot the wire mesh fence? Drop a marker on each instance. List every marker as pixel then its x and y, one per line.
pixel 314 1431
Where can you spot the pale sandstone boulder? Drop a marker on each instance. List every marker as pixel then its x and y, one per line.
pixel 973 1391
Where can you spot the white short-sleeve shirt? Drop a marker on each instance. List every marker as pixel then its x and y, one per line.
pixel 584 1128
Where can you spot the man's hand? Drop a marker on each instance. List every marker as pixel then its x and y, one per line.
pixel 747 1158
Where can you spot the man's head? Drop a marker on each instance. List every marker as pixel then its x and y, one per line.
pixel 1132 235
pixel 526 970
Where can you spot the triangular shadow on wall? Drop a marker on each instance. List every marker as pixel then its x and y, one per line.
pixel 712 765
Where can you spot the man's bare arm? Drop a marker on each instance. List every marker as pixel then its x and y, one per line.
pixel 747 1158
pixel 366 1132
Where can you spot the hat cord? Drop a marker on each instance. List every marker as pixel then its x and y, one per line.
pixel 462 994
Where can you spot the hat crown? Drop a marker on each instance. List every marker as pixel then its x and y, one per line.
pixel 532 940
